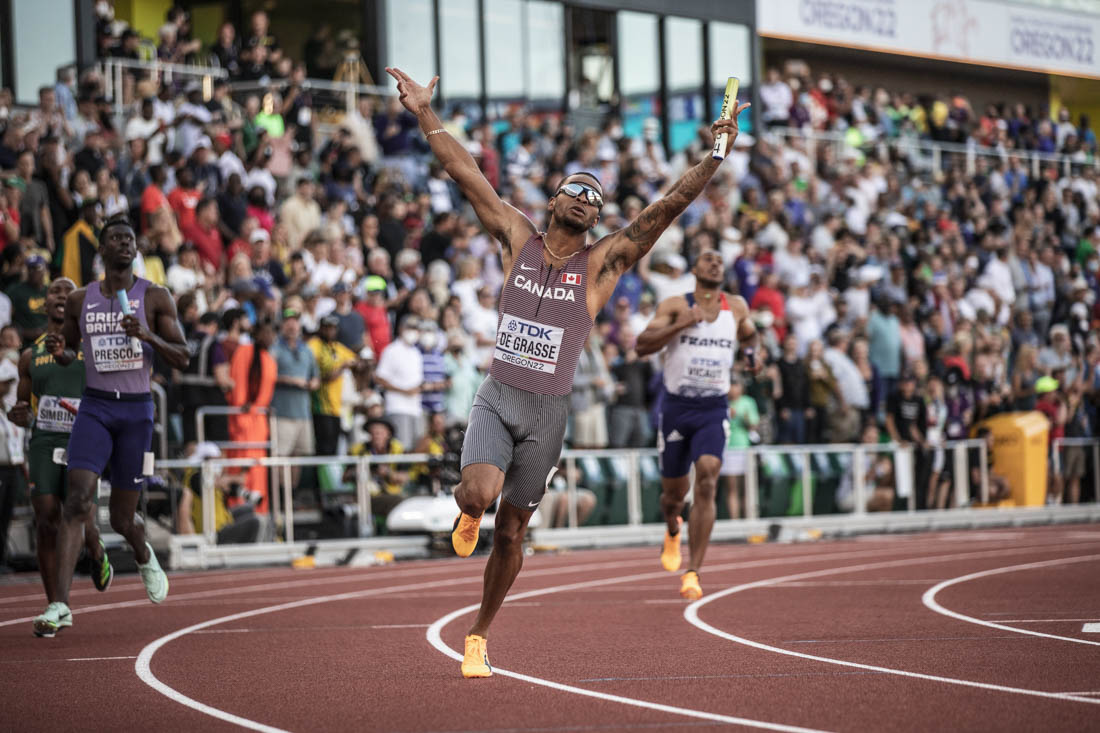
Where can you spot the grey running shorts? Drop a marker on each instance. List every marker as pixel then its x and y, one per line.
pixel 520 433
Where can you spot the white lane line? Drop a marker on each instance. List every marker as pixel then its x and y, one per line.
pixel 853 583
pixel 435 638
pixel 144 660
pixel 691 613
pixel 1091 628
pixel 184 577
pixel 400 626
pixel 929 597
pixel 1043 620
pixel 901 640
pixel 73 659
pixel 361 575
pixel 143 665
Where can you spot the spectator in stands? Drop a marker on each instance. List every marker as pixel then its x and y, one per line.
pixel 878 479
pixel 227 50
pixel 792 398
pixel 555 502
pixel 777 98
pixel 999 490
pixel 591 392
pixel 387 479
pixel 628 419
pixel 744 418
pixel 300 213
pixel 884 342
pixel 253 373
pixel 436 381
pixel 907 424
pixel 297 377
pixel 401 374
pixel 334 362
pixel 28 300
pixel 79 244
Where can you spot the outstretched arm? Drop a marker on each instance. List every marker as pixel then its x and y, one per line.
pixel 629 245
pixel 505 222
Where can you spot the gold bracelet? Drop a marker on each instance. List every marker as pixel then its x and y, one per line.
pixel 434 132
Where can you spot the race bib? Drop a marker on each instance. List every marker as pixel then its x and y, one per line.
pixel 114 352
pixel 56 414
pixel 528 344
pixel 707 375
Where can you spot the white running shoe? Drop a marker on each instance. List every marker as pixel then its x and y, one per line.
pixel 155 579
pixel 56 616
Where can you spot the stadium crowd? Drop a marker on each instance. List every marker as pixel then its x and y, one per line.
pixel 335 276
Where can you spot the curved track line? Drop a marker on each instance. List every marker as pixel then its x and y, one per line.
pixel 435 638
pixel 144 662
pixel 691 613
pixel 929 597
pixel 143 665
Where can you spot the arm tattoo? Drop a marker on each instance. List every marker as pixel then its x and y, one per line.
pixel 644 231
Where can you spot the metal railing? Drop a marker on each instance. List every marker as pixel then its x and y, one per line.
pixel 285 517
pixel 114 69
pixel 630 477
pixel 932 154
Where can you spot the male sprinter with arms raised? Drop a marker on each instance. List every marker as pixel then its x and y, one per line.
pixel 51 393
pixel 114 425
pixel 555 285
pixel 701 331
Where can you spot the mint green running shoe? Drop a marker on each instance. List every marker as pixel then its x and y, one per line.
pixel 102 572
pixel 155 579
pixel 56 616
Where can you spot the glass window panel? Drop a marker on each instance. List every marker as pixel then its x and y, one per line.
pixel 730 55
pixel 504 76
pixel 410 38
pixel 545 43
pixel 639 72
pixel 43 38
pixel 460 49
pixel 637 54
pixel 684 54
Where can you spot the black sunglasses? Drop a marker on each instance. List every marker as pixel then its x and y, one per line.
pixel 591 195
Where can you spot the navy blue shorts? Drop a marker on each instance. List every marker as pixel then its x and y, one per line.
pixel 690 428
pixel 115 434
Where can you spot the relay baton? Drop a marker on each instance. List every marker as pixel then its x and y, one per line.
pixel 124 304
pixel 729 106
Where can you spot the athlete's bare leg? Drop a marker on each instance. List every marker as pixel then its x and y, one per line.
pixel 125 521
pixel 47 520
pixel 504 564
pixel 703 508
pixel 481 485
pixel 673 491
pixel 77 526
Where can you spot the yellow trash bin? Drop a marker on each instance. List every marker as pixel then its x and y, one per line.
pixel 1020 454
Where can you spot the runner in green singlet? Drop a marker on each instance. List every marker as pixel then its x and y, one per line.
pixel 49 395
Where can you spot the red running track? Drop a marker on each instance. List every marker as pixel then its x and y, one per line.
pixel 961 631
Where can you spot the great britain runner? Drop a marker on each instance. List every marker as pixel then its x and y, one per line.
pixel 700 332
pixel 113 428
pixel 555 284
